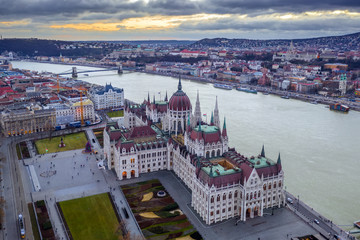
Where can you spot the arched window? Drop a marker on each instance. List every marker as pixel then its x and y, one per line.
pixel 247 196
pixel 274 184
pixel 251 196
pixel 224 196
pixel 264 187
pixel 230 195
pixel 207 154
pixel 218 198
pixel 213 153
pixel 269 186
pixel 279 183
pixel 212 199
pixel 259 194
pixel 236 194
pixel 218 152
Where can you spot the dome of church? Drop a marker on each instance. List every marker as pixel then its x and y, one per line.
pixel 179 101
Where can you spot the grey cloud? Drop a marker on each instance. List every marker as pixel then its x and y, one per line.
pixel 272 25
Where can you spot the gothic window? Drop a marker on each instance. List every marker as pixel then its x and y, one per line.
pixel 218 198
pixel 218 152
pixel 224 196
pixel 207 154
pixel 279 183
pixel 274 184
pixel 236 194
pixel 264 187
pixel 230 195
pixel 212 199
pixel 213 153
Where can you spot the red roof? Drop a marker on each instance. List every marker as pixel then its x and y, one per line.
pixel 142 131
pixel 179 101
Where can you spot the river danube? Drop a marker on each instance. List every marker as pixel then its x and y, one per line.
pixel 319 148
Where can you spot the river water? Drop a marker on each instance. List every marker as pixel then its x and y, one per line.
pixel 319 148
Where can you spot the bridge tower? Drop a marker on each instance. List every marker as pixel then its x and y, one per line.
pixel 74 72
pixel 120 70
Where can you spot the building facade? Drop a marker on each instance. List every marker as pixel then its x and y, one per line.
pixel 26 121
pixel 224 183
pixel 110 97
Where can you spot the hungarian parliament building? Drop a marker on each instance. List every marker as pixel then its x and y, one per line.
pixel 169 135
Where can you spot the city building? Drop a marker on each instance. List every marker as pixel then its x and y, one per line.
pixel 27 120
pixel 109 97
pixel 224 183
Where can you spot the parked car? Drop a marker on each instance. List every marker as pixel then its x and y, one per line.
pixel 289 200
pixel 316 221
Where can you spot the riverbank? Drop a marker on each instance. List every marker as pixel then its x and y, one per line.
pixel 310 98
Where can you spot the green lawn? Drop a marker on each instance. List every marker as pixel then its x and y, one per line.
pixel 72 141
pixel 91 218
pixel 116 113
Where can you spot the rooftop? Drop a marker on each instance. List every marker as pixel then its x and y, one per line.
pixel 207 129
pixel 260 162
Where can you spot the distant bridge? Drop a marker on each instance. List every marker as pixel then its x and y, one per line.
pixel 74 73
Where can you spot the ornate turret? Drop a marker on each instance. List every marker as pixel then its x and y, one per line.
pixel 179 85
pixel 212 119
pixel 224 132
pixel 279 163
pixel 216 115
pixel 262 151
pixel 197 108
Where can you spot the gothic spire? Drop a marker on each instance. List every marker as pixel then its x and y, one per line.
pixel 197 108
pixel 263 151
pixel 216 115
pixel 279 160
pixel 179 85
pixel 279 167
pixel 154 99
pixel 224 132
pixel 148 97
pixel 166 98
pixel 212 118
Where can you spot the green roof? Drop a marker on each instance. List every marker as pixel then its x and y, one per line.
pixel 207 129
pixel 261 162
pixel 161 102
pixel 218 170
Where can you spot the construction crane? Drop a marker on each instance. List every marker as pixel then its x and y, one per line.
pixel 81 89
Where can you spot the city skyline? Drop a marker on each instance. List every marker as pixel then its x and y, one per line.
pixel 177 20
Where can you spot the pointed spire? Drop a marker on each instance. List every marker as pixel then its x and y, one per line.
pixel 212 118
pixel 279 160
pixel 197 108
pixel 154 99
pixel 179 86
pixel 148 97
pixel 166 98
pixel 216 115
pixel 224 132
pixel 263 151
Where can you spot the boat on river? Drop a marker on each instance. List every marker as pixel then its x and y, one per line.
pixel 357 223
pixel 223 86
pixel 339 107
pixel 246 90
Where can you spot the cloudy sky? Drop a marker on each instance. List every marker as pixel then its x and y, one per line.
pixel 177 19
